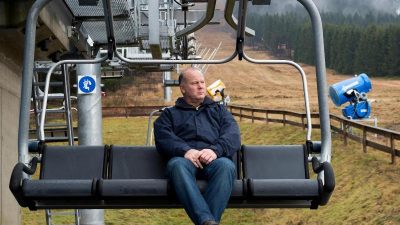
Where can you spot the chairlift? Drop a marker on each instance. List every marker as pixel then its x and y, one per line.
pixel 114 177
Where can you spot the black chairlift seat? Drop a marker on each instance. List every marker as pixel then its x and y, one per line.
pixel 137 178
pixel 134 177
pixel 67 174
pixel 278 176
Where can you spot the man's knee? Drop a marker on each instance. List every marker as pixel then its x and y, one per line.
pixel 226 165
pixel 177 164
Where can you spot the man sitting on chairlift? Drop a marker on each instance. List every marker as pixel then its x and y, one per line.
pixel 199 137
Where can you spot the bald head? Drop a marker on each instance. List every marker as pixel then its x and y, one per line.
pixel 192 85
pixel 186 71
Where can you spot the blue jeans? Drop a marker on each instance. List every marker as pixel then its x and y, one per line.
pixel 210 205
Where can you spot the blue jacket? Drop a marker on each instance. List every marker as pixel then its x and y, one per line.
pixel 184 127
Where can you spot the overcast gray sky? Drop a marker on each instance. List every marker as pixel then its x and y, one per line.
pixel 345 6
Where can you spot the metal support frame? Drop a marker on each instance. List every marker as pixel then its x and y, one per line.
pixel 154 29
pixel 167 89
pixel 90 130
pixel 67 105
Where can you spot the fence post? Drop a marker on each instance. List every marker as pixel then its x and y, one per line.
pixel 302 122
pixel 284 119
pixel 266 117
pixel 126 112
pixel 392 146
pixel 252 115
pixel 344 126
pixel 364 139
pixel 240 114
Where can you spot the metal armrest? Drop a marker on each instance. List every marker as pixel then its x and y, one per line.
pixel 16 180
pixel 329 183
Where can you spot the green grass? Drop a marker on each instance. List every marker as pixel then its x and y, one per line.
pixel 367 189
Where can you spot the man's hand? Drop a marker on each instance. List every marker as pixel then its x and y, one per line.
pixel 194 156
pixel 207 156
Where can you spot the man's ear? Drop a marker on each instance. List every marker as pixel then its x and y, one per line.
pixel 182 90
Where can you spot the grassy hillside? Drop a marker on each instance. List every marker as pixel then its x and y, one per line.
pixel 367 190
pixel 272 86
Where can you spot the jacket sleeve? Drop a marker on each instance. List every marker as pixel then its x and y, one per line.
pixel 167 143
pixel 229 139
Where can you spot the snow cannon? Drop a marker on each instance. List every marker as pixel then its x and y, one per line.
pixel 354 91
pixel 216 91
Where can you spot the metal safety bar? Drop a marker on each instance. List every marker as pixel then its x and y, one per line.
pixel 67 105
pixel 149 126
pixel 47 84
pixel 305 88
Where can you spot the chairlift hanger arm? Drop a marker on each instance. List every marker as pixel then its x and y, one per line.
pixel 27 74
pixel 207 17
pixel 241 28
pixel 109 28
pixel 231 20
pixel 322 85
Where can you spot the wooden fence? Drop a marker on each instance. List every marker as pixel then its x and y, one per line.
pixel 369 136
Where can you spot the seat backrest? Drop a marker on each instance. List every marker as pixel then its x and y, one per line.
pixel 275 162
pixel 136 162
pixel 141 162
pixel 236 159
pixel 72 162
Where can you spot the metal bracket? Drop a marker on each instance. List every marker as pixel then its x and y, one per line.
pixel 111 47
pixel 239 47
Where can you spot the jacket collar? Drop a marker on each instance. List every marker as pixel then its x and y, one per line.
pixel 181 103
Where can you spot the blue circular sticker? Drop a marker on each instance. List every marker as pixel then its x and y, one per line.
pixel 87 84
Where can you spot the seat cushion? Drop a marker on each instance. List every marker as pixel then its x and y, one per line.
pixel 133 188
pixel 58 188
pixel 121 188
pixel 284 188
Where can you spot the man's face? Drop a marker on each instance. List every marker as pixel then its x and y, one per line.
pixel 193 86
